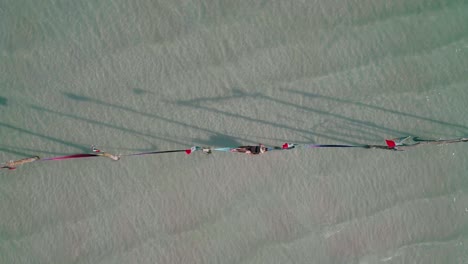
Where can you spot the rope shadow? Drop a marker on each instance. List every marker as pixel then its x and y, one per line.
pixel 396 112
pixel 356 124
pixel 49 138
pixel 213 134
pixel 13 151
pixel 187 103
pixel 339 136
pixel 94 122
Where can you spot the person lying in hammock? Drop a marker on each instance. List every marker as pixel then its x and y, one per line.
pixel 12 164
pixel 253 150
pixel 104 154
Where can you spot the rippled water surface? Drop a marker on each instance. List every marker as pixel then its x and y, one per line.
pixel 145 75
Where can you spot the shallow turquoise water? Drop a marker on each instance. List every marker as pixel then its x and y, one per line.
pixel 157 75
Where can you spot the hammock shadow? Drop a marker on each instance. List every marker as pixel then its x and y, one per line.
pixel 139 91
pixel 218 140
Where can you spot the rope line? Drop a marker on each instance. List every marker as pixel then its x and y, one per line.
pixel 396 144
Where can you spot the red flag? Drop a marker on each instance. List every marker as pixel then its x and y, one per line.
pixel 390 143
pixel 192 149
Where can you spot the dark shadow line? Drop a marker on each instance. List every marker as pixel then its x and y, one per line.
pixel 363 138
pixel 384 16
pixel 265 122
pixel 338 116
pixel 56 140
pixel 351 120
pixel 96 101
pixel 237 93
pixel 12 148
pixel 100 102
pixel 104 124
pixel 359 129
pixel 317 111
pixel 23 154
pixel 314 95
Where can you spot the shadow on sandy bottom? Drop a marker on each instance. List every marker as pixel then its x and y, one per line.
pixel 3 101
pixel 215 138
pixel 368 130
pixel 21 151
